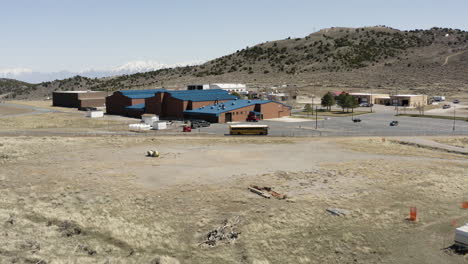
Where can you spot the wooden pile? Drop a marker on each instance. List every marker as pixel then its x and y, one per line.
pixel 266 192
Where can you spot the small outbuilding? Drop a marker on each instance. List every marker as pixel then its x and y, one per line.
pixel 78 99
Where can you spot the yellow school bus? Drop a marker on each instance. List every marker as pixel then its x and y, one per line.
pixel 248 129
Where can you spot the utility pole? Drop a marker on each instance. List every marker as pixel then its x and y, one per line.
pixel 453 128
pixel 397 101
pixel 316 118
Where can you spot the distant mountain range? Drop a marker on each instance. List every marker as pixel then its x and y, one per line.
pixel 378 59
pixel 30 76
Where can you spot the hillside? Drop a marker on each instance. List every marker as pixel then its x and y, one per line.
pixel 12 88
pixel 429 61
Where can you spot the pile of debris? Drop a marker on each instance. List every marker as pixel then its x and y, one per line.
pixel 266 192
pixel 224 234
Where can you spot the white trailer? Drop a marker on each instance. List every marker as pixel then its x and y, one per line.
pixel 461 236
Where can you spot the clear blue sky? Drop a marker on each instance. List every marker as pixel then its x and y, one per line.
pixel 52 35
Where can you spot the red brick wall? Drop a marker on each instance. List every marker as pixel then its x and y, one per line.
pixel 238 115
pixel 137 101
pixel 93 95
pixel 154 105
pixel 274 110
pixel 268 110
pixel 173 108
pixel 116 103
pixel 95 102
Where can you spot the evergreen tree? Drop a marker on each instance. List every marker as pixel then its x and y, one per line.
pixel 308 108
pixel 328 100
pixel 341 100
pixel 347 101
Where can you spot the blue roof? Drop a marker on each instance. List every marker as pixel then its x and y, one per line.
pixel 136 107
pixel 202 95
pixel 141 94
pixel 228 106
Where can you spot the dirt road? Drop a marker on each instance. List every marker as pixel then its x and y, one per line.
pixel 453 55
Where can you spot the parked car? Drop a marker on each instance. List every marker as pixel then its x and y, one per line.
pixel 196 123
pixel 364 105
pixel 87 108
pixel 356 120
pixel 456 101
pixel 394 123
pixel 253 117
pixel 446 106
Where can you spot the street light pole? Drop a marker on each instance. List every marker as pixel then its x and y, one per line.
pixel 453 128
pixel 316 118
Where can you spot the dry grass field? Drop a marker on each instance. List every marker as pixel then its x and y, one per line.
pixel 7 110
pixel 61 120
pixel 44 104
pixel 100 200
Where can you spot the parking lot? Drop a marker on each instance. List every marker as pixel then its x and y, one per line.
pixel 372 124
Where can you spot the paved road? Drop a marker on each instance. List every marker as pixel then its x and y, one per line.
pixel 374 124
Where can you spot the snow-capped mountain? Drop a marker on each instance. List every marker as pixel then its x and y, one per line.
pixel 14 72
pixel 28 75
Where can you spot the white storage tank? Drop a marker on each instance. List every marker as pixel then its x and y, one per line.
pixel 159 125
pixel 461 236
pixel 149 119
pixel 94 114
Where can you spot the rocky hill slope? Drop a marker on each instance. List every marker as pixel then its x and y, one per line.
pixel 11 88
pixel 378 58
